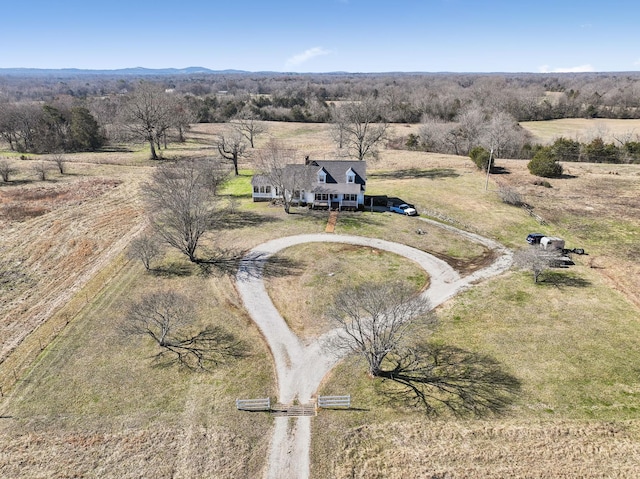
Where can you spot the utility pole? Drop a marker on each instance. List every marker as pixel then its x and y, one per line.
pixel 486 185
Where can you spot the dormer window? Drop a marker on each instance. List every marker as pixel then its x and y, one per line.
pixel 322 176
pixel 351 176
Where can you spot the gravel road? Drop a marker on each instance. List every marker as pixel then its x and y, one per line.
pixel 300 366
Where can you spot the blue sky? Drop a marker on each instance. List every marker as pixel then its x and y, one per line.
pixel 324 35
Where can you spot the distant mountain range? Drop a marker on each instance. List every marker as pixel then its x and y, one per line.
pixel 141 72
pixel 138 71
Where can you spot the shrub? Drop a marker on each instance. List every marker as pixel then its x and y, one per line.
pixel 544 183
pixel 544 164
pixel 413 142
pixel 510 196
pixel 5 170
pixel 480 156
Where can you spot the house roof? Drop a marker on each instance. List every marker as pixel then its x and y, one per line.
pixel 260 180
pixel 336 180
pixel 337 169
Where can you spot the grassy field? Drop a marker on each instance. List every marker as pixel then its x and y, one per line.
pixel 90 402
pixel 583 129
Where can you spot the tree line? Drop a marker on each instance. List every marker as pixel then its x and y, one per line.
pixel 525 96
pixel 458 111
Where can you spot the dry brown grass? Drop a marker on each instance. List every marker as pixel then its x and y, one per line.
pixel 583 129
pixel 596 207
pixel 477 449
pixel 79 221
pixel 324 269
pixel 160 452
pixel 94 389
pixel 93 405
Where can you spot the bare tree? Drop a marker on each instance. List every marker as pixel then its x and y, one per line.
pixel 362 125
pixel 180 205
pixel 338 123
pixel 6 170
pixel 167 317
pixel 386 325
pixel 374 318
pixel 231 146
pixel 510 195
pixel 145 248
pixel 471 126
pixel 503 134
pixel 60 161
pixel 434 134
pixel 536 260
pixel 249 125
pixel 10 124
pixel 41 169
pixel 276 163
pixel 148 114
pixel 213 174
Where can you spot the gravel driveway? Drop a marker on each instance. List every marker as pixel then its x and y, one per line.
pixel 300 367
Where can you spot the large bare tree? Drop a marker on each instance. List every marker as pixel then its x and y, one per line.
pixel 359 126
pixel 231 145
pixel 277 164
pixel 374 318
pixel 181 205
pixel 386 325
pixel 168 319
pixel 536 260
pixel 249 125
pixel 147 114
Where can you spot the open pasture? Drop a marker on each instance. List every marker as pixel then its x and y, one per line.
pixel 88 402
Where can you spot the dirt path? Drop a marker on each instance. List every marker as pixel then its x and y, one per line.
pixel 301 367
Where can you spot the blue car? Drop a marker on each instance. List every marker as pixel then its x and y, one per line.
pixel 534 238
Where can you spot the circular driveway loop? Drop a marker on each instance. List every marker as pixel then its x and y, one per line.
pixel 301 367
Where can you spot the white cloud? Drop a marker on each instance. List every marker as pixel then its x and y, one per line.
pixel 577 69
pixel 306 56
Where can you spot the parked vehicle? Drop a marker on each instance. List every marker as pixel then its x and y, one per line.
pixel 534 238
pixel 404 209
pixel 551 243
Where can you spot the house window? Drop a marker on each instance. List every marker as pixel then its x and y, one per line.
pixel 349 197
pixel 267 189
pixel 322 197
pixel 351 177
pixel 256 189
pixel 322 177
pixel 262 189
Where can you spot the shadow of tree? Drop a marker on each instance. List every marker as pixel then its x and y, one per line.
pixel 173 269
pixel 442 378
pixel 230 261
pixel 499 170
pixel 560 279
pixel 229 219
pixel 433 173
pixel 208 348
pixel 115 149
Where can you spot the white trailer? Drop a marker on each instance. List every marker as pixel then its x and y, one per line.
pixel 551 243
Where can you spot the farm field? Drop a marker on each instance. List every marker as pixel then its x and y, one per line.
pixel 88 402
pixel 583 129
